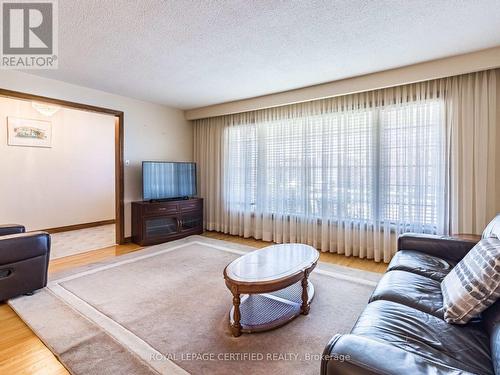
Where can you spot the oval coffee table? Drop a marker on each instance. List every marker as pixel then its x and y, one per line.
pixel 270 286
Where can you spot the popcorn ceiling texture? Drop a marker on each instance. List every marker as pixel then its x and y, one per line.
pixel 189 54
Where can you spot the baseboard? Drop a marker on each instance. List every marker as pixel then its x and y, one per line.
pixel 79 226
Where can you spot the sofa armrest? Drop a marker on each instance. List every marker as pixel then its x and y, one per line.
pixel 342 357
pixel 358 355
pixel 7 229
pixel 451 248
pixel 17 247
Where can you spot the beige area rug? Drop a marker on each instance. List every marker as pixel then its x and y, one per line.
pixel 82 240
pixel 165 309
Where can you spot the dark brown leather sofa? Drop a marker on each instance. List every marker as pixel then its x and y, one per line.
pixel 402 330
pixel 24 261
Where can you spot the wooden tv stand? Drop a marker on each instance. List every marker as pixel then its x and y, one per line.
pixel 158 222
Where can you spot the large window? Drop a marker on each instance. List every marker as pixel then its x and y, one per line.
pixel 370 165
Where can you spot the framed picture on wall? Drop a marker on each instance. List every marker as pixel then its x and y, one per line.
pixel 28 133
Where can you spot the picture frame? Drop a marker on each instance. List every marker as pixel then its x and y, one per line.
pixel 28 132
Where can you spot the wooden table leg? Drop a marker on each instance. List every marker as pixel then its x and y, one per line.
pixel 305 307
pixel 236 326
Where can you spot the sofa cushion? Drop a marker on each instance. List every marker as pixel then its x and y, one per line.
pixel 422 264
pixel 360 355
pixel 474 283
pixel 460 347
pixel 419 292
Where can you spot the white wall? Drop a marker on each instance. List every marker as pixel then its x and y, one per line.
pixel 152 131
pixel 72 182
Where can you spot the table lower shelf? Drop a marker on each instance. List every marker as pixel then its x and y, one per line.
pixel 262 312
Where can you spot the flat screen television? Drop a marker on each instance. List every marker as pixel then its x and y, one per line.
pixel 168 180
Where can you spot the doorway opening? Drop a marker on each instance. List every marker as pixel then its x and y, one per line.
pixel 46 106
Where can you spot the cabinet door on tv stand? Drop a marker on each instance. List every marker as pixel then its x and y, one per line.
pixel 191 221
pixel 157 227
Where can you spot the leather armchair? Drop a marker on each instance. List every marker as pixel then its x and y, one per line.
pixel 11 229
pixel 24 261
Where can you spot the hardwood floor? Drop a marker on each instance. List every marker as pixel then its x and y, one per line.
pixel 94 256
pixel 22 352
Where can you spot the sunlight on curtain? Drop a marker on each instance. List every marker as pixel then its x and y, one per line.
pixel 349 174
pixel 343 181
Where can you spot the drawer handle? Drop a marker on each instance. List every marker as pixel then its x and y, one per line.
pixel 162 209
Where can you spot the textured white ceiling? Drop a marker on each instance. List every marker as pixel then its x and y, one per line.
pixel 192 53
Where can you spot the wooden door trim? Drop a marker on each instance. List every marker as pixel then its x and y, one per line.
pixel 119 134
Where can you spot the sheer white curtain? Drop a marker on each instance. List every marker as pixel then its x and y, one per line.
pixel 345 175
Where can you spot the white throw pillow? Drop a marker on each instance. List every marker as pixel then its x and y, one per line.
pixel 473 284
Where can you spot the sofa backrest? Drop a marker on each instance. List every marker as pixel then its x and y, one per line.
pixel 493 228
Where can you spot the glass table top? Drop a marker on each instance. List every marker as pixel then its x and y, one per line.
pixel 272 263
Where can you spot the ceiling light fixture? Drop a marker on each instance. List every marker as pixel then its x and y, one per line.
pixel 45 109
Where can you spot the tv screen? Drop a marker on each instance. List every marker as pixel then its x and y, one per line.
pixel 164 180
